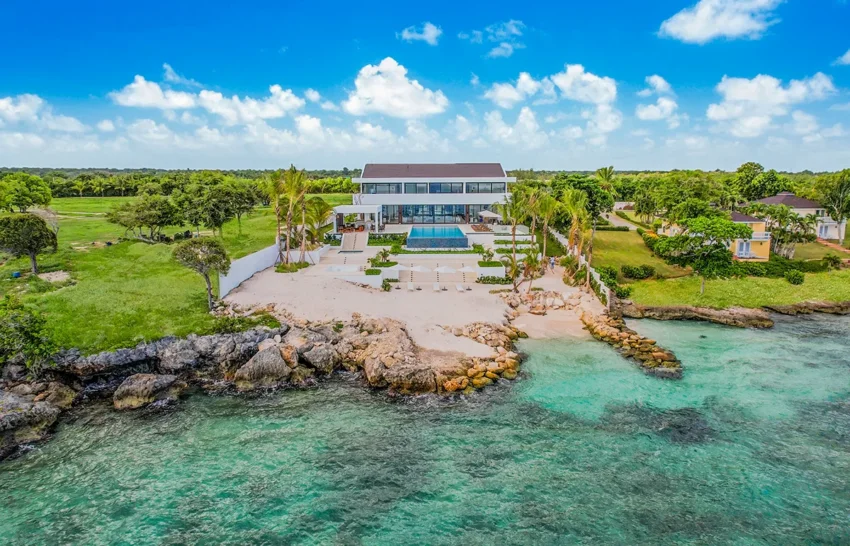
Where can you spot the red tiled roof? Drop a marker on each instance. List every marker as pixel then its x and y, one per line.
pixel 790 200
pixel 433 170
pixel 744 219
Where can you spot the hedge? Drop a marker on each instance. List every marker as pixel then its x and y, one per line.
pixel 612 228
pixel 637 273
pixel 625 217
pixel 490 264
pixel 493 280
pixel 387 239
pixel 373 271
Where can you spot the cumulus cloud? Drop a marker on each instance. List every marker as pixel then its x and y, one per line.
pixel 526 132
pixel 429 34
pixel 749 106
pixel 235 110
pixel 464 129
pixel 505 34
pixel 106 126
pixel 173 77
pixel 712 19
pixel 63 124
pixel 507 95
pixel 664 108
pixel 312 95
pixel 32 110
pixel 20 108
pixel 844 60
pixel 144 94
pixel 387 90
pixel 579 85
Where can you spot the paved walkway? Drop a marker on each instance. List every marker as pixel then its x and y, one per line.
pixel 834 246
pixel 617 221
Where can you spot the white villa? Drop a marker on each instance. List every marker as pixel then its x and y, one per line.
pixel 404 193
pixel 827 228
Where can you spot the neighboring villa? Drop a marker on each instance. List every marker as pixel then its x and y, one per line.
pixel 756 248
pixel 407 193
pixel 827 228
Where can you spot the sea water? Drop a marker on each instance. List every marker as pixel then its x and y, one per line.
pixel 751 447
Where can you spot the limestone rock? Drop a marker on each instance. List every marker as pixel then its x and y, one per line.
pixel 58 394
pixel 266 368
pixel 23 421
pixel 143 389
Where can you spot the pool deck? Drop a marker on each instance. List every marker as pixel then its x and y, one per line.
pixel 465 228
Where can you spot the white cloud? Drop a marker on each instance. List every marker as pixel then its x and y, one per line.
pixel 840 107
pixel 571 132
pixel 804 123
pixel 385 89
pixel 507 95
pixel 421 138
pixel 149 131
pixel 474 81
pixel 657 85
pixel 429 34
pixel 577 84
pixel 173 77
pixel 712 19
pixel 525 133
pixel 603 119
pixel 328 105
pixel 464 129
pixel 20 108
pixel 843 60
pixel 144 94
pixel 235 110
pixel 107 126
pixel 664 108
pixel 506 34
pixel 14 141
pixel 312 95
pixel 63 124
pixel 555 118
pixel 374 133
pixel 750 105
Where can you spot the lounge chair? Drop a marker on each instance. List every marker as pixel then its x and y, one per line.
pixel 459 288
pixel 469 289
pixel 437 287
pixel 410 287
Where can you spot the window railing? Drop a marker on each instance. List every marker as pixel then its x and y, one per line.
pixel 761 236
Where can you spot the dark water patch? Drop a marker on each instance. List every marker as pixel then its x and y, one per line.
pixel 681 426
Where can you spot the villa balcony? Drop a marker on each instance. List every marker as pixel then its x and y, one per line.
pixel 760 236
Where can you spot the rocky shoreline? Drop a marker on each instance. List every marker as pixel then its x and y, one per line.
pixel 156 374
pixel 739 317
pixel 651 358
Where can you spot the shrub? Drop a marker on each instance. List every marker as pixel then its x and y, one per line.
pixel 387 239
pixel 622 292
pixel 493 280
pixel 372 272
pixel 291 267
pixel 608 275
pixel 650 240
pixel 638 273
pixel 386 286
pixel 795 277
pixel 640 231
pixel 24 336
pixel 395 249
pixel 231 325
pixel 483 263
pixel 612 228
pixel 332 240
pixel 832 261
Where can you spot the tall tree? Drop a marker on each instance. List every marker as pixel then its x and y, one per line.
pixel 513 213
pixel 26 235
pixel 834 194
pixel 704 245
pixel 547 208
pixel 294 189
pixel 206 256
pixel 274 189
pixel 26 190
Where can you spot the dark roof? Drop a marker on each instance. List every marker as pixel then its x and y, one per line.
pixel 433 170
pixel 744 219
pixel 790 200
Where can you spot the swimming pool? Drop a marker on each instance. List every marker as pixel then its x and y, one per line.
pixel 436 237
pixel 441 232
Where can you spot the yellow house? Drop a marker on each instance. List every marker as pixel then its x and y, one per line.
pixel 755 249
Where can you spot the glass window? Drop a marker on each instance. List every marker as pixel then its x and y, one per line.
pixel 381 188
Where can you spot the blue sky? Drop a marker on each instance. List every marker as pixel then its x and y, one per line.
pixel 572 85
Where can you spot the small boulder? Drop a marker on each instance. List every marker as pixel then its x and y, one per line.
pixel 266 368
pixel 178 356
pixel 58 394
pixel 143 389
pixel 302 376
pixel 322 357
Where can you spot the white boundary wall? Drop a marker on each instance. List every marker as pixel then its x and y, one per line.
pixel 244 268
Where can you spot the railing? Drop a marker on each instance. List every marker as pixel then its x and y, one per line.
pixel 573 251
pixel 760 236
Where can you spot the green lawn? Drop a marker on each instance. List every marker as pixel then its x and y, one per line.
pixel 130 291
pixel 812 251
pixel 619 248
pixel 745 292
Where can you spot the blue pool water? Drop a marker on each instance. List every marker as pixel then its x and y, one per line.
pixel 436 232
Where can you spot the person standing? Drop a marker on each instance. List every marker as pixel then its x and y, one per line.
pixel 552 263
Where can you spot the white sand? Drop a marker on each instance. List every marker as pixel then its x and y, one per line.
pixel 554 325
pixel 326 298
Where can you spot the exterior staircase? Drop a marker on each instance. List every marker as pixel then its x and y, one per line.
pixel 354 242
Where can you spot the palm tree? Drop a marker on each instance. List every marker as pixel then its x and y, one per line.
pixel 294 189
pixel 513 270
pixel 575 203
pixel 530 196
pixel 513 212
pixel 531 266
pixel 273 188
pixel 547 208
pixel 80 185
pixel 606 179
pixel 319 213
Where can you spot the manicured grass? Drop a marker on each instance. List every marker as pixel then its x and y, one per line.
pixel 744 292
pixel 131 291
pixel 123 294
pixel 812 251
pixel 553 245
pixel 618 248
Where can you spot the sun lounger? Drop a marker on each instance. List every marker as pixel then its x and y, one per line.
pixel 410 287
pixel 459 288
pixel 436 287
